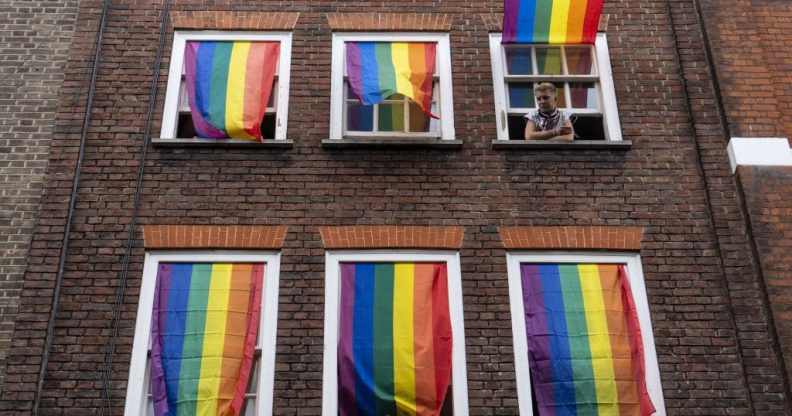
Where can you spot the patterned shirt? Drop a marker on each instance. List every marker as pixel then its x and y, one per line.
pixel 544 123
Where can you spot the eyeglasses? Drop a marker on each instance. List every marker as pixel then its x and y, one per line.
pixel 542 97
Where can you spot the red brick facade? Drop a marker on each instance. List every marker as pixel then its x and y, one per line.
pixel 671 197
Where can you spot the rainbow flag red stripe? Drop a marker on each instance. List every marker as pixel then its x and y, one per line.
pixel 229 85
pixel 394 351
pixel 584 340
pixel 551 21
pixel 378 70
pixel 204 327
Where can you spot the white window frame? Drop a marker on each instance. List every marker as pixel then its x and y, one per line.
pixel 332 318
pixel 138 370
pixel 170 115
pixel 442 70
pixel 635 274
pixel 610 109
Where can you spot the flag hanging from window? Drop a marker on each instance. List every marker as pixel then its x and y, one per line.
pixel 551 21
pixel 378 70
pixel 229 85
pixel 584 340
pixel 204 327
pixel 394 352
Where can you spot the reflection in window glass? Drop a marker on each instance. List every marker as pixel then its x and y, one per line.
pixel 579 60
pixel 518 61
pixel 583 95
pixel 521 95
pixel 360 117
pixel 391 116
pixel 548 61
pixel 419 121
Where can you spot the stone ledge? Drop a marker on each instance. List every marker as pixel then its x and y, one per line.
pixel 552 145
pixel 392 142
pixel 232 143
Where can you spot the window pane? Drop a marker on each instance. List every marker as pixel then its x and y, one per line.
pixel 419 121
pixel 360 117
pixel 249 408
pixel 588 126
pixel 548 61
pixel 560 95
pixel 518 61
pixel 516 127
pixel 391 117
pixel 254 377
pixel 579 60
pixel 521 95
pixel 583 95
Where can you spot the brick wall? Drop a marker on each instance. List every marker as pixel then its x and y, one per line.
pixel 34 44
pixel 715 352
pixel 753 60
pixel 767 193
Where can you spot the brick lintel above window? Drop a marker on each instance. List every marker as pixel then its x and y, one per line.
pixel 572 238
pixel 384 22
pixel 233 20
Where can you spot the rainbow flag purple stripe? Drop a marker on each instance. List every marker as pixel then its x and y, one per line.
pixel 584 340
pixel 551 21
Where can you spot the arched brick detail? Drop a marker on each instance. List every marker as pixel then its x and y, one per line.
pixel 213 237
pixel 422 22
pixel 390 236
pixel 572 238
pixel 230 20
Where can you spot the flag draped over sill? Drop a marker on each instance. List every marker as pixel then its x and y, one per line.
pixel 394 352
pixel 551 21
pixel 584 340
pixel 378 70
pixel 229 85
pixel 203 329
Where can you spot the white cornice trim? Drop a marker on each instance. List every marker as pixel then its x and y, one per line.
pixel 759 151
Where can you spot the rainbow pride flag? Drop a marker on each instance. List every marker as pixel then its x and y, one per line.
pixel 204 327
pixel 377 70
pixel 394 352
pixel 584 340
pixel 229 85
pixel 551 21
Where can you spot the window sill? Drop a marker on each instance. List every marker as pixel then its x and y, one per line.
pixel 391 142
pixel 553 145
pixel 231 143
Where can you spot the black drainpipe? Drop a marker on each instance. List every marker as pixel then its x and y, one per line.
pixel 122 280
pixel 72 202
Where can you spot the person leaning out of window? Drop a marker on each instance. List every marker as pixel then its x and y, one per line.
pixel 548 122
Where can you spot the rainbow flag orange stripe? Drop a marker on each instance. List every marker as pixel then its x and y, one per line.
pixel 204 328
pixel 229 85
pixel 378 70
pixel 584 340
pixel 394 351
pixel 551 21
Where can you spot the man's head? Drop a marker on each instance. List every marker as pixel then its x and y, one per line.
pixel 545 94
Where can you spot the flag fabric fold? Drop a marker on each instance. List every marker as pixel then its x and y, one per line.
pixel 584 341
pixel 551 21
pixel 229 85
pixel 394 349
pixel 377 70
pixel 204 327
